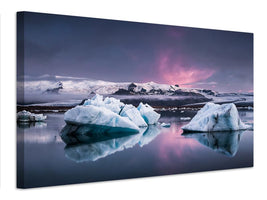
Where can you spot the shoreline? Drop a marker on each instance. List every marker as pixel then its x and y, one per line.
pixel 60 109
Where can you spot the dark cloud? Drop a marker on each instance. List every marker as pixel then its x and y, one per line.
pixel 126 51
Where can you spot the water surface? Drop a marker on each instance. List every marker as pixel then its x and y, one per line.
pixel 45 160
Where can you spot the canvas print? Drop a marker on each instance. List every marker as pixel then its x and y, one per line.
pixel 102 100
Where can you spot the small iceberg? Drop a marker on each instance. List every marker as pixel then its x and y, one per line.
pixel 185 118
pixel 165 125
pixel 26 116
pixel 214 117
pixel 148 113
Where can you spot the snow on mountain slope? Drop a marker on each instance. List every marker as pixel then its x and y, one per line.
pixel 47 88
pixel 72 85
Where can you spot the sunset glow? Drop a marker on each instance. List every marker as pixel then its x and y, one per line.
pixel 174 72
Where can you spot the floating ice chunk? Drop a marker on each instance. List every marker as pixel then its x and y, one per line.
pixel 81 115
pixel 148 113
pixel 166 125
pixel 214 117
pixel 110 103
pixel 134 115
pixel 185 118
pixel 25 116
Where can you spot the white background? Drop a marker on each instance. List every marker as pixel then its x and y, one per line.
pixel 247 16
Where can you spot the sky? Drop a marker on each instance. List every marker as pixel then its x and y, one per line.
pixel 122 51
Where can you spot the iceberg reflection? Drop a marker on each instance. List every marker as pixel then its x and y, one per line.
pixel 84 146
pixel 226 143
pixel 24 125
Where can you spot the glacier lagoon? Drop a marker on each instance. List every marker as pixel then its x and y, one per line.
pixel 154 151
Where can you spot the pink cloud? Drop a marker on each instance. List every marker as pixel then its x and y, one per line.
pixel 175 72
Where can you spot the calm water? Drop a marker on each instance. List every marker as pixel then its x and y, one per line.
pixel 155 151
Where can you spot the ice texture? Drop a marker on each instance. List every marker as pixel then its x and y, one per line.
pixel 214 117
pixel 26 116
pixel 109 103
pixel 90 114
pixel 148 113
pixel 134 115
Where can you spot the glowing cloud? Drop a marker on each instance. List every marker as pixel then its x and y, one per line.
pixel 175 72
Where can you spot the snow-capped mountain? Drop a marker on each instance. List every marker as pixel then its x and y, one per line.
pixel 63 85
pixel 62 89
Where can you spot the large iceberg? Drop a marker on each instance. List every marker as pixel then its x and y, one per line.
pixel 214 117
pixel 97 117
pixel 148 113
pixel 26 116
pixel 82 115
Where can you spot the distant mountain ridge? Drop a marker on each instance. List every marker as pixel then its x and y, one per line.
pixel 66 89
pixel 89 86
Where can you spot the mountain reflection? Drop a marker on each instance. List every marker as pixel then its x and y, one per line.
pixel 83 145
pixel 226 143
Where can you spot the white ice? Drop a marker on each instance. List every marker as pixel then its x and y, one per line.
pixel 134 115
pixel 110 103
pixel 185 118
pixel 91 114
pixel 166 125
pixel 25 116
pixel 215 117
pixel 148 113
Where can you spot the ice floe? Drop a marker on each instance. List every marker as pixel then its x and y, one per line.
pixel 166 125
pixel 26 116
pixel 215 117
pixel 185 118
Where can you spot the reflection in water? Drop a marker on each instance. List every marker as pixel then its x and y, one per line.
pixel 46 160
pixel 31 124
pixel 99 146
pixel 226 143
